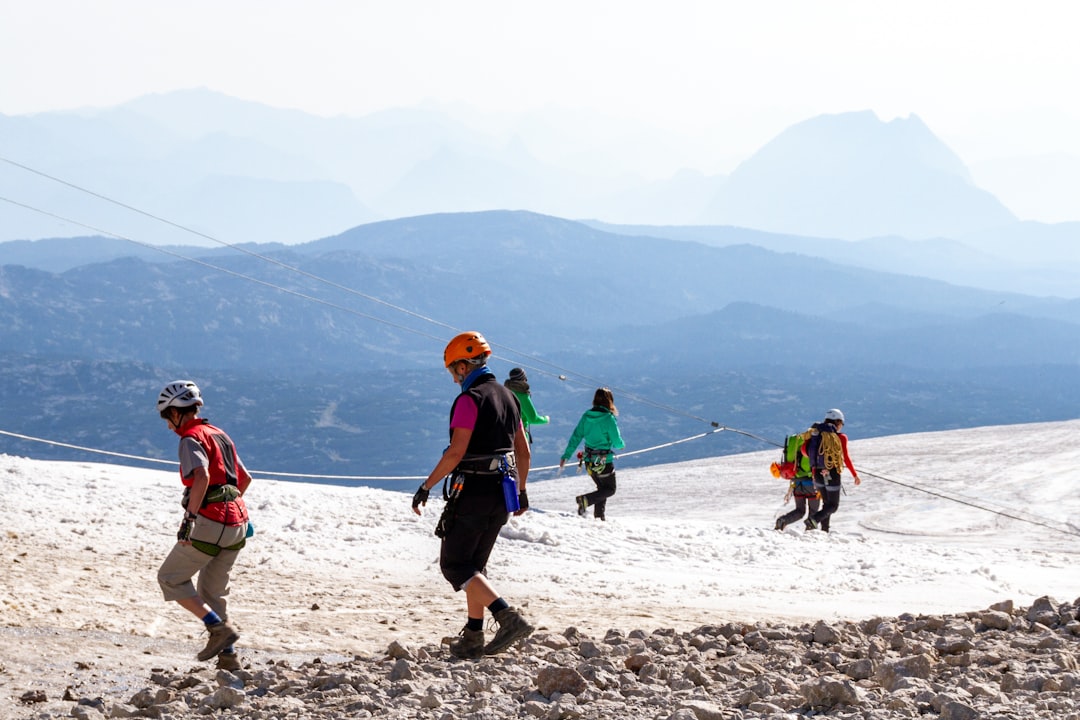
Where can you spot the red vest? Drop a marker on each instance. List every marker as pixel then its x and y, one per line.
pixel 224 462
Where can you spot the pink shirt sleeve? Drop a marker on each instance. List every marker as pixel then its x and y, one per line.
pixel 465 412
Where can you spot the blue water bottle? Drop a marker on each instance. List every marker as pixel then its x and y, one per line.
pixel 510 489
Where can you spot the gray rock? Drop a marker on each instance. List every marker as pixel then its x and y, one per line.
pixel 703 710
pixel 958 711
pixel 551 680
pixel 829 692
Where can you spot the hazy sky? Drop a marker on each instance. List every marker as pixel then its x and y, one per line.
pixel 992 79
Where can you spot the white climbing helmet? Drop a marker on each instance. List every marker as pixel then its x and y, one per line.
pixel 179 394
pixel 834 414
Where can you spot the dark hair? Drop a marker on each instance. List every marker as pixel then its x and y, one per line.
pixel 603 398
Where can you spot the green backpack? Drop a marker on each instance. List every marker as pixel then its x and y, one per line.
pixel 793 465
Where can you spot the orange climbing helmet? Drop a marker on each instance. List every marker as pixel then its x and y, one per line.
pixel 466 346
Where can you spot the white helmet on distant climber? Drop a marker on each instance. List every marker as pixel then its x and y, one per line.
pixel 834 414
pixel 179 394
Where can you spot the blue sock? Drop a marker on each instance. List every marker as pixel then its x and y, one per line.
pixel 211 618
pixel 498 605
pixel 475 624
pixel 229 651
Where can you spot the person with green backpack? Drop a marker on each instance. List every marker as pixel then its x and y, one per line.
pixel 795 467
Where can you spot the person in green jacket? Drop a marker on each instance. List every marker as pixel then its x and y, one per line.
pixel 599 428
pixel 518 384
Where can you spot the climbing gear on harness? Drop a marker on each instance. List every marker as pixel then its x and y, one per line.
pixel 215 550
pixel 595 460
pixel 823 446
pixel 446 520
pixel 486 464
pixel 214 494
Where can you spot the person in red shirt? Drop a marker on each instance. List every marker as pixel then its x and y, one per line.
pixel 827 449
pixel 215 525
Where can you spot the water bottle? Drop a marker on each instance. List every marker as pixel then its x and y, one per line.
pixel 510 489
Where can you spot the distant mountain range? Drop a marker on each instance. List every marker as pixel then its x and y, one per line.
pixel 326 356
pixel 243 172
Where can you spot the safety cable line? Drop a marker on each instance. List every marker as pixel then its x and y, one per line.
pixel 669 444
pixel 561 375
pixel 1041 521
pixel 308 476
pixel 173 462
pixel 85 449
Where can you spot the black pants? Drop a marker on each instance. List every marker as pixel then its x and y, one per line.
pixel 478 517
pixel 605 488
pixel 828 482
pixel 801 503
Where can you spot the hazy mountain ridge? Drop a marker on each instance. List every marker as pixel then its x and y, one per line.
pixel 852 176
pixel 329 381
pixel 245 172
pixel 1028 258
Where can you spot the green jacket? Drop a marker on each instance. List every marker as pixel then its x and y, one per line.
pixel 600 431
pixel 529 415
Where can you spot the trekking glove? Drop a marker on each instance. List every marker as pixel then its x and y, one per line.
pixel 184 533
pixel 523 502
pixel 420 497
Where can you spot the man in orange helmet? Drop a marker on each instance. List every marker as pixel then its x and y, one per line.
pixel 488 446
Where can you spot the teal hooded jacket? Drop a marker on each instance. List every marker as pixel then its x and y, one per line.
pixel 599 429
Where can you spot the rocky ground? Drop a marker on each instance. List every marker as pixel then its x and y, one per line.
pixel 997 663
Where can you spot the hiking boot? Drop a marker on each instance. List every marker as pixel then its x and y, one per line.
pixel 512 627
pixel 811 524
pixel 780 524
pixel 469 645
pixel 222 636
pixel 582 503
pixel 228 661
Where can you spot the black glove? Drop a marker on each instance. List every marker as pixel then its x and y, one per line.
pixel 420 497
pixel 184 533
pixel 523 500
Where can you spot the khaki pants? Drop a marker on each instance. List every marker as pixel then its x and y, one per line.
pixel 180 566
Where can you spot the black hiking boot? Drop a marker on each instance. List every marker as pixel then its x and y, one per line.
pixel 513 627
pixel 780 524
pixel 469 645
pixel 582 504
pixel 811 524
